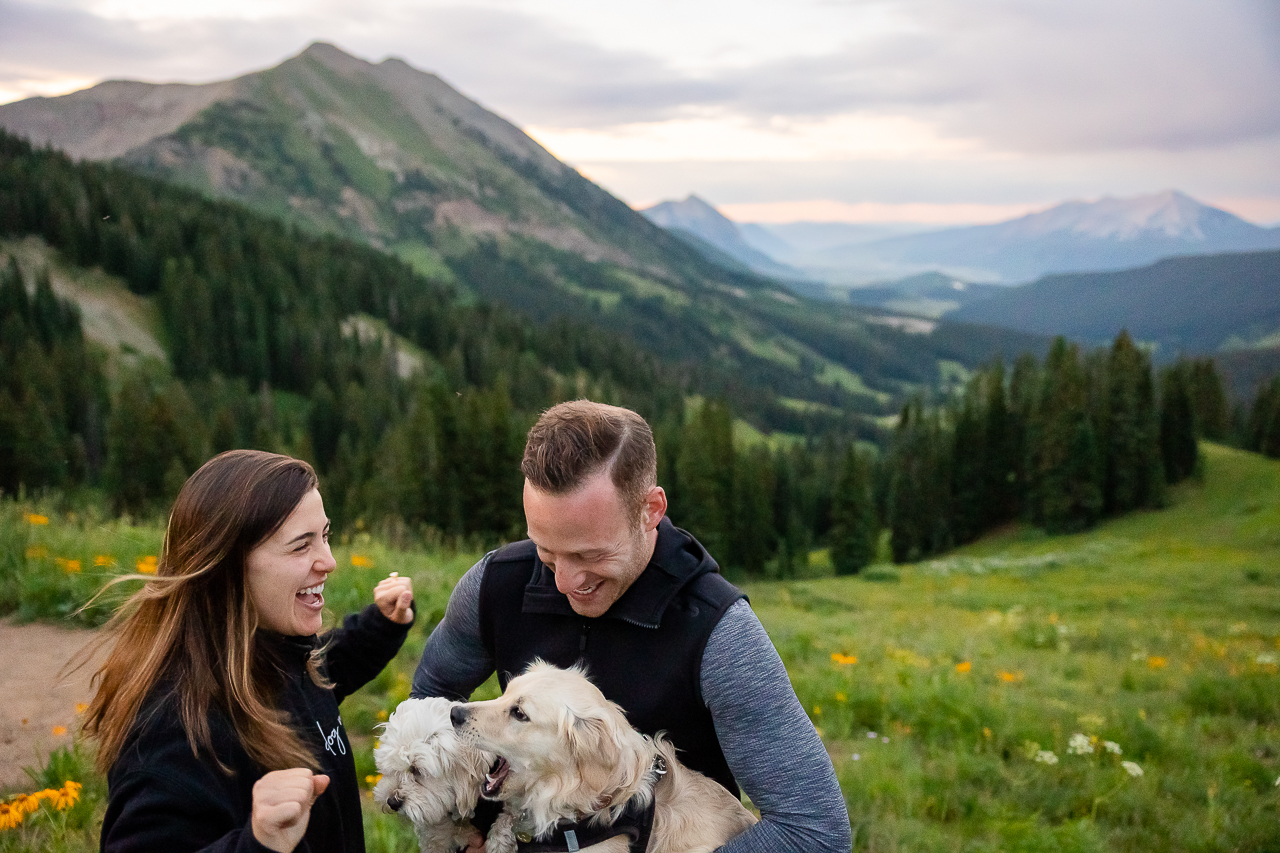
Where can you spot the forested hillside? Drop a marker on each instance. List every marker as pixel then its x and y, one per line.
pixel 394 157
pixel 256 318
pixel 272 337
pixel 1192 304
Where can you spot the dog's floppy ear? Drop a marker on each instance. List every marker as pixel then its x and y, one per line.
pixel 587 732
pixel 608 755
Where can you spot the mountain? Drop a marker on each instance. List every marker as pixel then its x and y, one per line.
pixel 393 156
pixel 698 219
pixel 1200 304
pixel 1076 236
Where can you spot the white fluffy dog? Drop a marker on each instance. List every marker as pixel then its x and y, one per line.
pixel 569 761
pixel 434 778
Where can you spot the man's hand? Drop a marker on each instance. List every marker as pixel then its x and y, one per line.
pixel 394 597
pixel 282 802
pixel 475 842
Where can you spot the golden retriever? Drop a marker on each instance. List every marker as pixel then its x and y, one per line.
pixel 568 758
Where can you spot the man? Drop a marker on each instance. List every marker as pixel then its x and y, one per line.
pixel 606 580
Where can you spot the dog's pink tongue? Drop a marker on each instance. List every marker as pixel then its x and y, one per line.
pixel 494 779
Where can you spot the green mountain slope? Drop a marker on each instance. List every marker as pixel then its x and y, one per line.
pixel 395 157
pixel 1167 303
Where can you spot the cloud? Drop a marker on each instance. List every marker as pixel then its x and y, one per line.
pixel 1000 101
pixel 39 42
pixel 1041 76
pixel 1017 75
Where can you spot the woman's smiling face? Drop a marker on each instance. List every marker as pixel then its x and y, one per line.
pixel 286 572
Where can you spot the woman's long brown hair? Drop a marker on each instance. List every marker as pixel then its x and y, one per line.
pixel 193 625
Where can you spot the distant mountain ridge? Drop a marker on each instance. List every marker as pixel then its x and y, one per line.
pixel 1076 236
pixel 697 218
pixel 1201 304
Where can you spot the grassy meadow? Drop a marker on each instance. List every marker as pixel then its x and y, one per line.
pixel 1112 690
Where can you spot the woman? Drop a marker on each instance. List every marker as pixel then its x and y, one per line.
pixel 217 708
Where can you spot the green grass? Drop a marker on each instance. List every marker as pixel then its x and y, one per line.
pixel 1159 633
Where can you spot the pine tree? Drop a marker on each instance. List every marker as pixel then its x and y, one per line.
pixel 855 530
pixel 705 471
pixel 972 481
pixel 1178 448
pixel 1131 462
pixel 919 505
pixel 755 539
pixel 1262 433
pixel 1065 467
pixel 1209 400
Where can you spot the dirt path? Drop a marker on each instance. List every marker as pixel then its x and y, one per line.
pixel 35 705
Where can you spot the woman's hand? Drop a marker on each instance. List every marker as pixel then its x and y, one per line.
pixel 394 597
pixel 282 802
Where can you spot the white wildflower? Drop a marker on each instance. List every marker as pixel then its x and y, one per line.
pixel 1112 747
pixel 872 735
pixel 1080 745
pixel 1044 756
pixel 1265 659
pixel 857 757
pixel 1133 769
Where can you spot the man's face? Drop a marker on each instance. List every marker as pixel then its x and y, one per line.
pixel 588 539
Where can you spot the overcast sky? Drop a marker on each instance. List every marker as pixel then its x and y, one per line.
pixel 774 110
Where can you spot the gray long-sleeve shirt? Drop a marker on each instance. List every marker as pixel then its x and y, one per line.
pixel 768 740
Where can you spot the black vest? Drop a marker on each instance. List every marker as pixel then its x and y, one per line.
pixel 645 653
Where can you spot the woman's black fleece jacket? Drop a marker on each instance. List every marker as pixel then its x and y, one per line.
pixel 162 797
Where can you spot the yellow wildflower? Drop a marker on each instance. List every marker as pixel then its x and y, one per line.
pixel 26 803
pixel 843 659
pixel 964 666
pixel 361 561
pixel 1157 662
pixel 840 697
pixel 148 565
pixel 68 566
pixel 34 519
pixel 373 780
pixel 382 715
pixel 10 815
pixel 67 796
pixel 104 560
pixel 59 731
pixel 1009 677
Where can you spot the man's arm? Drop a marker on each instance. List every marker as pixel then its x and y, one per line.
pixel 770 744
pixel 455 661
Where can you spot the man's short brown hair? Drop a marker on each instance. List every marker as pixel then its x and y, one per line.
pixel 573 441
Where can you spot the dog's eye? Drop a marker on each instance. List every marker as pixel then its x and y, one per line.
pixel 519 714
pixel 413 771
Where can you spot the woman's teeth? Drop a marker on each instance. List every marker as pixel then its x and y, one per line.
pixel 312 590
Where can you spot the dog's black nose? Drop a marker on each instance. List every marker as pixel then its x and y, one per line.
pixel 458 715
pixel 394 802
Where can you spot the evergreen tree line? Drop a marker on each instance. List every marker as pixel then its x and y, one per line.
pixel 1260 430
pixel 1061 444
pixel 253 316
